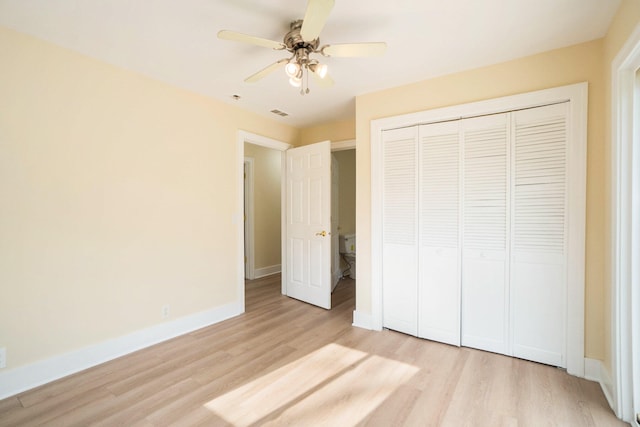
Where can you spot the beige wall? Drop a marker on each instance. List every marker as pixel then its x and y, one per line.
pixel 625 21
pixel 117 192
pixel 347 196
pixel 267 164
pixel 555 68
pixel 339 130
pixel 117 196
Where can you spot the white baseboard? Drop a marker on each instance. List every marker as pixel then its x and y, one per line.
pixel 594 370
pixel 29 376
pixel 606 383
pixel 362 320
pixel 267 271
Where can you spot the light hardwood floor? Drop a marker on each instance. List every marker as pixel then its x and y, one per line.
pixel 284 362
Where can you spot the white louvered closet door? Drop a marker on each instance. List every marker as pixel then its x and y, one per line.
pixel 439 253
pixel 400 230
pixel 485 289
pixel 539 244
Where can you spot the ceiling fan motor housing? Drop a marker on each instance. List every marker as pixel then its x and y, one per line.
pixel 297 45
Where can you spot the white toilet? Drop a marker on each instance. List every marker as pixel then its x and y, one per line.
pixel 347 247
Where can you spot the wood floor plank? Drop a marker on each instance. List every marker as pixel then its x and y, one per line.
pixel 217 380
pixel 50 412
pixel 442 369
pixel 10 404
pixel 285 362
pixel 396 409
pixel 137 410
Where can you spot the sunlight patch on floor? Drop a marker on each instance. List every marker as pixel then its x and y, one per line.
pixel 334 383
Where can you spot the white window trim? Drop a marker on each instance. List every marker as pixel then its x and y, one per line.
pixel 626 244
pixel 577 95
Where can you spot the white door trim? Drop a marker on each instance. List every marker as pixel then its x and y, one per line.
pixel 335 220
pixel 577 95
pixel 626 245
pixel 249 237
pixel 252 138
pixel 347 144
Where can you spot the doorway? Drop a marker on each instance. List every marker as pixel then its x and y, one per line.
pixel 280 147
pixel 345 185
pixel 262 188
pixel 626 231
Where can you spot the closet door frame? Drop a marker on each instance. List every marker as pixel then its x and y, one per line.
pixel 576 95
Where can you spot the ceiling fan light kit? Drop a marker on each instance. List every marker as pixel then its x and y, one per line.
pixel 319 69
pixel 292 69
pixel 302 41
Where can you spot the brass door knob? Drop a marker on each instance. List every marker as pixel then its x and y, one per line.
pixel 322 233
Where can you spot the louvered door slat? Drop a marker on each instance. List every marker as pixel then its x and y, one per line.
pixel 439 286
pixel 538 278
pixel 399 225
pixel 399 191
pixel 485 234
pixel 439 190
pixel 540 160
pixel 485 188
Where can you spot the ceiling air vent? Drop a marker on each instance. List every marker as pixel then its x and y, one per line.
pixel 280 113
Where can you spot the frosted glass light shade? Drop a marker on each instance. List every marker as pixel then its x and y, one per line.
pixel 321 70
pixel 295 82
pixel 291 69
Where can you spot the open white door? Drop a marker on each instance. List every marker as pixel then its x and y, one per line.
pixel 308 224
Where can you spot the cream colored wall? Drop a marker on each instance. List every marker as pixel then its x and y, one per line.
pixel 347 196
pixel 625 21
pixel 555 68
pixel 117 196
pixel 339 130
pixel 266 181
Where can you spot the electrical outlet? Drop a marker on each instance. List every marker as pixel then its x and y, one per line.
pixel 165 311
pixel 3 357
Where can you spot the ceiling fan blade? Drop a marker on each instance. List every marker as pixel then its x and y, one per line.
pixel 325 81
pixel 355 49
pixel 240 37
pixel 315 18
pixel 265 71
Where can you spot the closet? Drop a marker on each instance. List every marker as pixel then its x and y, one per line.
pixel 475 235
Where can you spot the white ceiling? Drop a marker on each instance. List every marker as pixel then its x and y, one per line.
pixel 175 41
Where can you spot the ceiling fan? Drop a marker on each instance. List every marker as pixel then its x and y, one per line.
pixel 302 41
